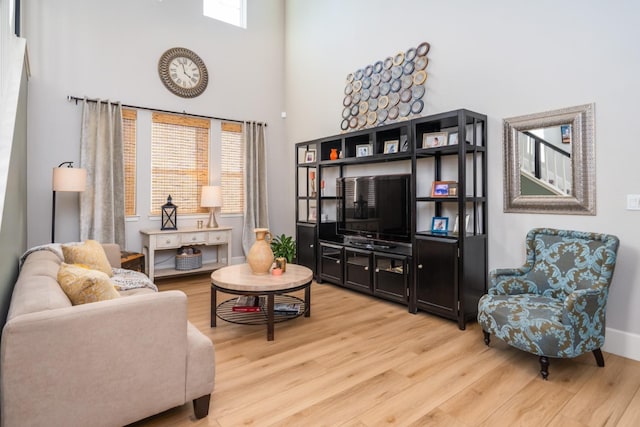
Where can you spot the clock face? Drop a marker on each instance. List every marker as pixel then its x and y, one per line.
pixel 183 72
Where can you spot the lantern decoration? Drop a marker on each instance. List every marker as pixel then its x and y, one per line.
pixel 169 216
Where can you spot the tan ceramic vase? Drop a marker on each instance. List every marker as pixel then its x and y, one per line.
pixel 260 256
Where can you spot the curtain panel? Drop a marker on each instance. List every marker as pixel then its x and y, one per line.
pixel 256 213
pixel 102 216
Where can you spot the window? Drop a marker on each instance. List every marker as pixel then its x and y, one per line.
pixel 232 169
pixel 179 161
pixel 129 119
pixel 232 12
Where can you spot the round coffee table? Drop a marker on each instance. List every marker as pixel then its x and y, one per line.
pixel 239 280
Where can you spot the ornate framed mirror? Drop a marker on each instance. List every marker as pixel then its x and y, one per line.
pixel 549 162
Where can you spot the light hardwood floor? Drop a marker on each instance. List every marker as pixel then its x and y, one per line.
pixel 360 361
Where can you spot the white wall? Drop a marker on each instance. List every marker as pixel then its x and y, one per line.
pixel 110 50
pixel 503 60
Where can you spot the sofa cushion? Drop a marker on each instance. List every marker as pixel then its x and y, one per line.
pixel 90 253
pixel 83 285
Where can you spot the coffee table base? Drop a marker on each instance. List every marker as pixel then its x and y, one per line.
pixel 224 310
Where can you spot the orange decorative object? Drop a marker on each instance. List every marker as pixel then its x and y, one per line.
pixel 312 175
pixel 276 272
pixel 334 154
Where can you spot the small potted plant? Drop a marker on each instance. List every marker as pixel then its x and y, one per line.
pixel 284 250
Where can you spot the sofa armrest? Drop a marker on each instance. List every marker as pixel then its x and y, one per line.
pixel 584 306
pixel 113 254
pixel 585 310
pixel 115 361
pixel 510 281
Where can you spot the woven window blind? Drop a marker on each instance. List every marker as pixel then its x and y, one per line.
pixel 179 161
pixel 232 169
pixel 129 119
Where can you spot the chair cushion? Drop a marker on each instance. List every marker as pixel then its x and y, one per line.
pixel 529 322
pixel 83 285
pixel 90 253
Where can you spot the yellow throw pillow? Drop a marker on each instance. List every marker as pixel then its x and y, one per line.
pixel 83 285
pixel 90 253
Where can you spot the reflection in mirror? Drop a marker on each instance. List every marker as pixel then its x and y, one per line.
pixel 545 161
pixel 549 162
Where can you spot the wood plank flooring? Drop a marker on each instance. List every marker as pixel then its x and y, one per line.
pixel 359 361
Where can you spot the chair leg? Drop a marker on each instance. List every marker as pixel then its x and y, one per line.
pixel 201 406
pixel 597 353
pixel 544 367
pixel 487 337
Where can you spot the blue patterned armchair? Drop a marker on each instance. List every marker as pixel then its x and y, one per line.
pixel 554 305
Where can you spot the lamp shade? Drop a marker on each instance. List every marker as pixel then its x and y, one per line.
pixel 211 196
pixel 69 179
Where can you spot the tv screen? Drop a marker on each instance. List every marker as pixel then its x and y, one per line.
pixel 376 207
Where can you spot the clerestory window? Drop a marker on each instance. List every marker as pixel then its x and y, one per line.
pixel 232 12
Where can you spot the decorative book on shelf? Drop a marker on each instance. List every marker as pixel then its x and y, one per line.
pixel 248 303
pixel 287 308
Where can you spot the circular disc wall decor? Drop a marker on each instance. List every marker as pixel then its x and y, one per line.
pixel 376 89
pixel 183 72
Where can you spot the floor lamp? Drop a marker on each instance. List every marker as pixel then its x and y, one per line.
pixel 66 179
pixel 211 198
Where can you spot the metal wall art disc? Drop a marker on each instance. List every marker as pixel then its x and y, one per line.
pixel 374 91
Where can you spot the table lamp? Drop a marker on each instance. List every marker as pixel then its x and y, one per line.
pixel 66 179
pixel 211 198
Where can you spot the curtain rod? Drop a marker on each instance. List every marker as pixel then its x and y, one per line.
pixel 76 99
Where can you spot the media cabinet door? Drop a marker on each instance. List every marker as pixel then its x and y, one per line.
pixel 437 276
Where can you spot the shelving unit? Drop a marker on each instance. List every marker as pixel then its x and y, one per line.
pixel 440 273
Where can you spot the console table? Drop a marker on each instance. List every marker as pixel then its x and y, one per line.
pixel 161 240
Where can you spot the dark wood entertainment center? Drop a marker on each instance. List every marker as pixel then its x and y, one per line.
pixel 443 273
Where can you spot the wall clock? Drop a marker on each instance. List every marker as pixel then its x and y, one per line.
pixel 183 72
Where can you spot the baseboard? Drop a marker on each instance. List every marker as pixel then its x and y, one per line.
pixel 622 343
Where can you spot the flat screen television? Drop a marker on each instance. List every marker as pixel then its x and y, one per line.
pixel 375 207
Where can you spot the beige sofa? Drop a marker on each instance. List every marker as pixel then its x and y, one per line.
pixel 106 363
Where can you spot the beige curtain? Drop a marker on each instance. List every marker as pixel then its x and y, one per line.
pixel 256 213
pixel 101 154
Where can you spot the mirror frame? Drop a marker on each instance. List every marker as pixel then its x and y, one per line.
pixel 583 200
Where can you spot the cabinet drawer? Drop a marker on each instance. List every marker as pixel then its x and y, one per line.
pixel 168 241
pixel 194 238
pixel 218 237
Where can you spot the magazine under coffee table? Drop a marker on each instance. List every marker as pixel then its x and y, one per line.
pixel 239 280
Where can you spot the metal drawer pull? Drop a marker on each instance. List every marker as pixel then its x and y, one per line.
pixel 419 266
pixel 377 270
pixel 168 241
pixel 337 261
pixel 366 268
pixel 310 246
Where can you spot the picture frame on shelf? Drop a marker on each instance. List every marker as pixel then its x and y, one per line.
pixel 453 138
pixel 404 143
pixel 434 139
pixel 313 214
pixel 310 156
pixel 440 225
pixel 466 224
pixel 391 146
pixel 364 150
pixel 444 189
